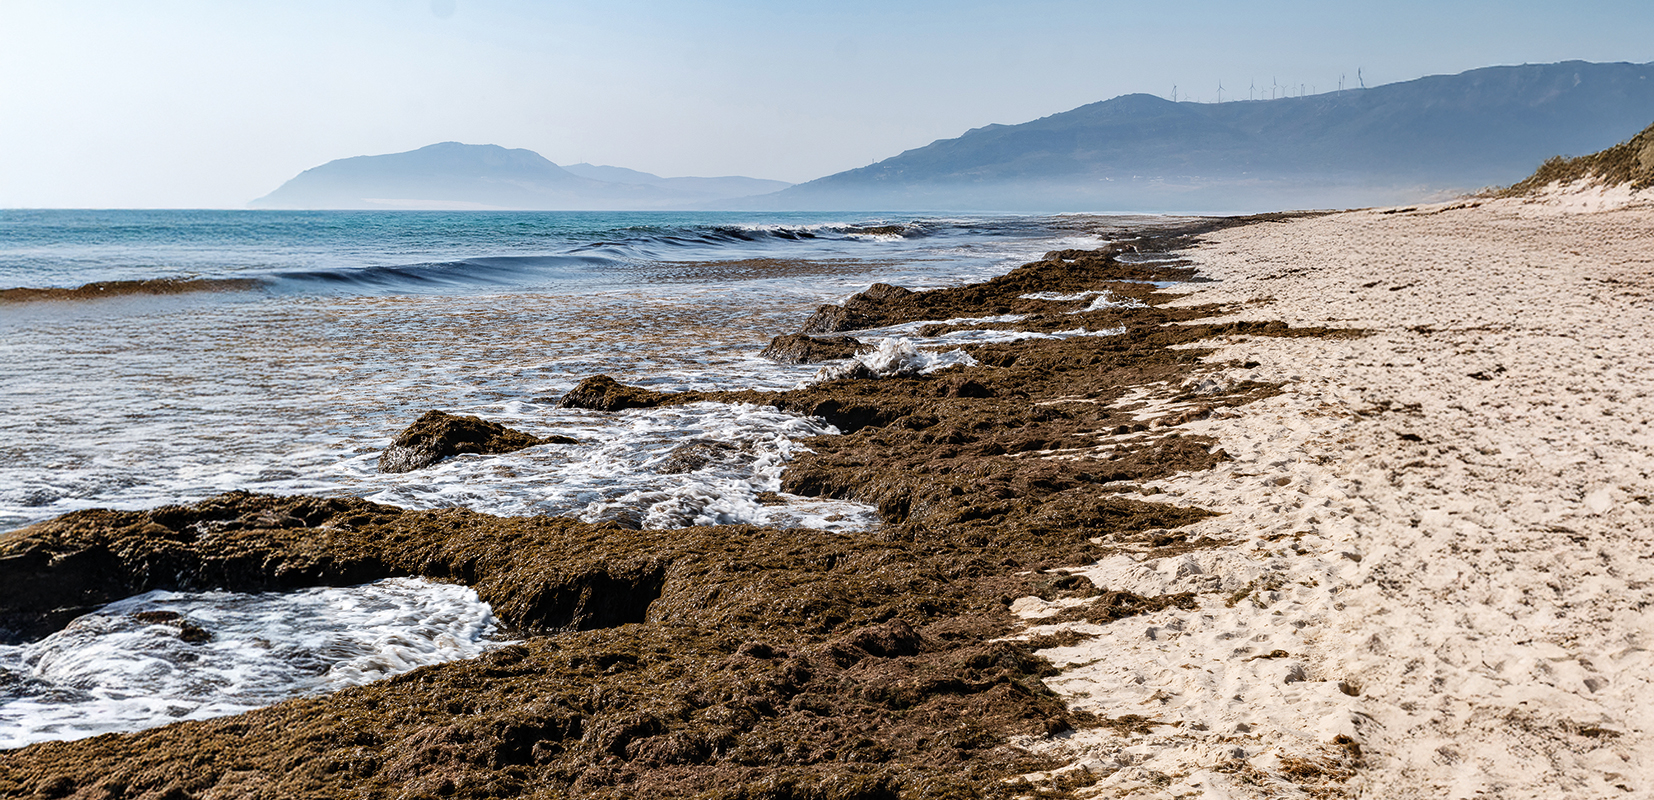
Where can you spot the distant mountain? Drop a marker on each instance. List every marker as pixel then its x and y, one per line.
pixel 460 176
pixel 1393 143
pixel 728 186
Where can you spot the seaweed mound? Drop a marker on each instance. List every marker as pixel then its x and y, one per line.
pixel 438 435
pixel 154 286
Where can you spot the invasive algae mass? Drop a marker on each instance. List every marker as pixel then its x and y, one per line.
pixel 153 286
pixel 796 348
pixel 718 662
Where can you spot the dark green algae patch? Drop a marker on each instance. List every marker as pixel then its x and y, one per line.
pixel 711 662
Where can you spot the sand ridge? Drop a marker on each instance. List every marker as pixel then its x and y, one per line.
pixel 1439 576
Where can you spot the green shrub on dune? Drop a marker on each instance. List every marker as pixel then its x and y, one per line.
pixel 1630 162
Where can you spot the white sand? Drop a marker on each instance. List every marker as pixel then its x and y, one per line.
pixel 1475 607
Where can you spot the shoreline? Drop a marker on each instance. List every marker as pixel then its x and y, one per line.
pixel 1257 544
pixel 871 661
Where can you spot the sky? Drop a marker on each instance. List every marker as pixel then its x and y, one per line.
pixel 194 104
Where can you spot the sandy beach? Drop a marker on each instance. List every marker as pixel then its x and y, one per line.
pixel 1437 567
pixel 1336 505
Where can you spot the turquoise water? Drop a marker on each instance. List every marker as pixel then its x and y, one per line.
pixel 400 251
pixel 361 321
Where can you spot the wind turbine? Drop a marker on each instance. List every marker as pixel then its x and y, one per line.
pixel 1249 89
pixel 1220 91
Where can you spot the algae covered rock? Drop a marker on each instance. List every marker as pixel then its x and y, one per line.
pixel 797 348
pixel 603 393
pixel 439 435
pixel 864 309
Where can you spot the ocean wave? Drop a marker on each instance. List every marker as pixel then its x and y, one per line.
pixel 440 276
pixel 292 388
pixel 643 249
pixel 717 241
pixel 375 253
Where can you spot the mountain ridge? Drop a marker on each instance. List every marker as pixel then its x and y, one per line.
pixel 722 186
pixel 453 175
pixel 1431 137
pixel 1400 141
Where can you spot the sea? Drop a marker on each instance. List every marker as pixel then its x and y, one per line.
pixel 341 328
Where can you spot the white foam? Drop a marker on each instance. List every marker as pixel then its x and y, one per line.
pixel 1083 332
pixel 1059 297
pixel 1108 300
pixel 625 467
pixel 995 336
pixel 894 357
pixel 901 356
pixel 110 671
pixel 989 336
pixel 1104 299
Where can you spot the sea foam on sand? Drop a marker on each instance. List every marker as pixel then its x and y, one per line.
pixel 1439 537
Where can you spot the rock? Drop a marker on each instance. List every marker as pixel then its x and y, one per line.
pixel 603 393
pixel 53 572
pixel 800 349
pixel 618 517
pixel 881 230
pixel 439 435
pixel 865 309
pixel 876 294
pixel 828 319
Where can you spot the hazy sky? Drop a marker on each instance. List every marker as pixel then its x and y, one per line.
pixel 179 103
